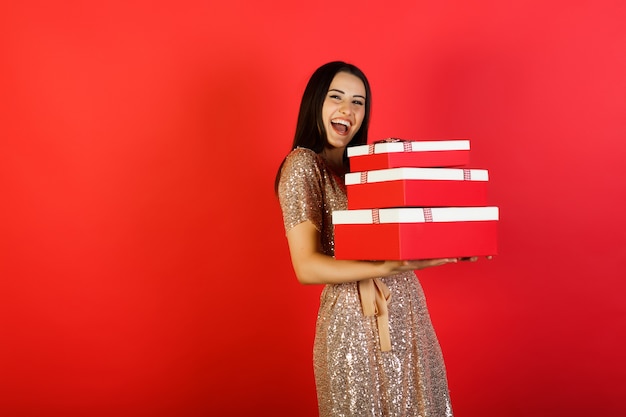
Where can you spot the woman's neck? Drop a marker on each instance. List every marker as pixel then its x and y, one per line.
pixel 334 159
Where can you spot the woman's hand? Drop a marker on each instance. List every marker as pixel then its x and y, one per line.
pixel 472 258
pixel 402 266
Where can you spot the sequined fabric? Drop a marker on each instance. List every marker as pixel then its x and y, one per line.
pixel 354 378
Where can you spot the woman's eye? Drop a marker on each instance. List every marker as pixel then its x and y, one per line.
pixel 358 102
pixel 335 97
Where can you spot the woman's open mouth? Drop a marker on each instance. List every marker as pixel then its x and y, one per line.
pixel 340 126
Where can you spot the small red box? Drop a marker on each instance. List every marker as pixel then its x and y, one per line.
pixel 415 233
pixel 417 187
pixel 392 153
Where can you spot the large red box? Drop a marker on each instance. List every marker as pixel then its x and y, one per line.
pixel 417 187
pixel 415 233
pixel 396 153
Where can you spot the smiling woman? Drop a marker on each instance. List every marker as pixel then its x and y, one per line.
pixel 343 109
pixel 370 358
pixel 342 115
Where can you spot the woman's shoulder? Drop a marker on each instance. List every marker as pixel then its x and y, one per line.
pixel 302 157
pixel 302 164
pixel 302 154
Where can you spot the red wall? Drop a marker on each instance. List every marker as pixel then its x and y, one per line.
pixel 143 266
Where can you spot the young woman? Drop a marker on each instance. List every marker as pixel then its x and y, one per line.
pixel 375 352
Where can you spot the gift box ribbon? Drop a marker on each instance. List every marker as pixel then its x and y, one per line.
pixel 375 296
pixel 406 145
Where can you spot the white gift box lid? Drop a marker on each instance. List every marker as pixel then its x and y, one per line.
pixel 415 215
pixel 409 146
pixel 395 174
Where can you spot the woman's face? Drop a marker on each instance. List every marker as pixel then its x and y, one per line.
pixel 343 109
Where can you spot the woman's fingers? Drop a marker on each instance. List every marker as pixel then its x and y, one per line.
pixel 470 258
pixel 427 263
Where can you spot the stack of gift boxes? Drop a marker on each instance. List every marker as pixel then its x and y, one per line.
pixel 414 200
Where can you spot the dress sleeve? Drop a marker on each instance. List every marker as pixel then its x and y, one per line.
pixel 300 190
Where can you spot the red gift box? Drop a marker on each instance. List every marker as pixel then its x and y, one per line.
pixel 417 187
pixel 395 153
pixel 415 233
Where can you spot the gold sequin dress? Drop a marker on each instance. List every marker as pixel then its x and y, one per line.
pixel 354 378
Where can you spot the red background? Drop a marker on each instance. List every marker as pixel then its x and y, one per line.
pixel 143 265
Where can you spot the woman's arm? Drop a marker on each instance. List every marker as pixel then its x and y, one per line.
pixel 314 267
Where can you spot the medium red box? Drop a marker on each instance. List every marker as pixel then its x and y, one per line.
pixel 417 187
pixel 396 153
pixel 415 233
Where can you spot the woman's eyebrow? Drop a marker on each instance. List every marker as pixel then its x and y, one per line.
pixel 342 92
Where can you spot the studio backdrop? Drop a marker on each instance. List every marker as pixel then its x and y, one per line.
pixel 144 269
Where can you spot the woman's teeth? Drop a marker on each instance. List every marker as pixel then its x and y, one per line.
pixel 340 126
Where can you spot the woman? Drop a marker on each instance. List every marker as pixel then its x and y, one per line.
pixel 375 350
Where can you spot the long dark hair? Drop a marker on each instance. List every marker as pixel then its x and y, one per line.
pixel 310 130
